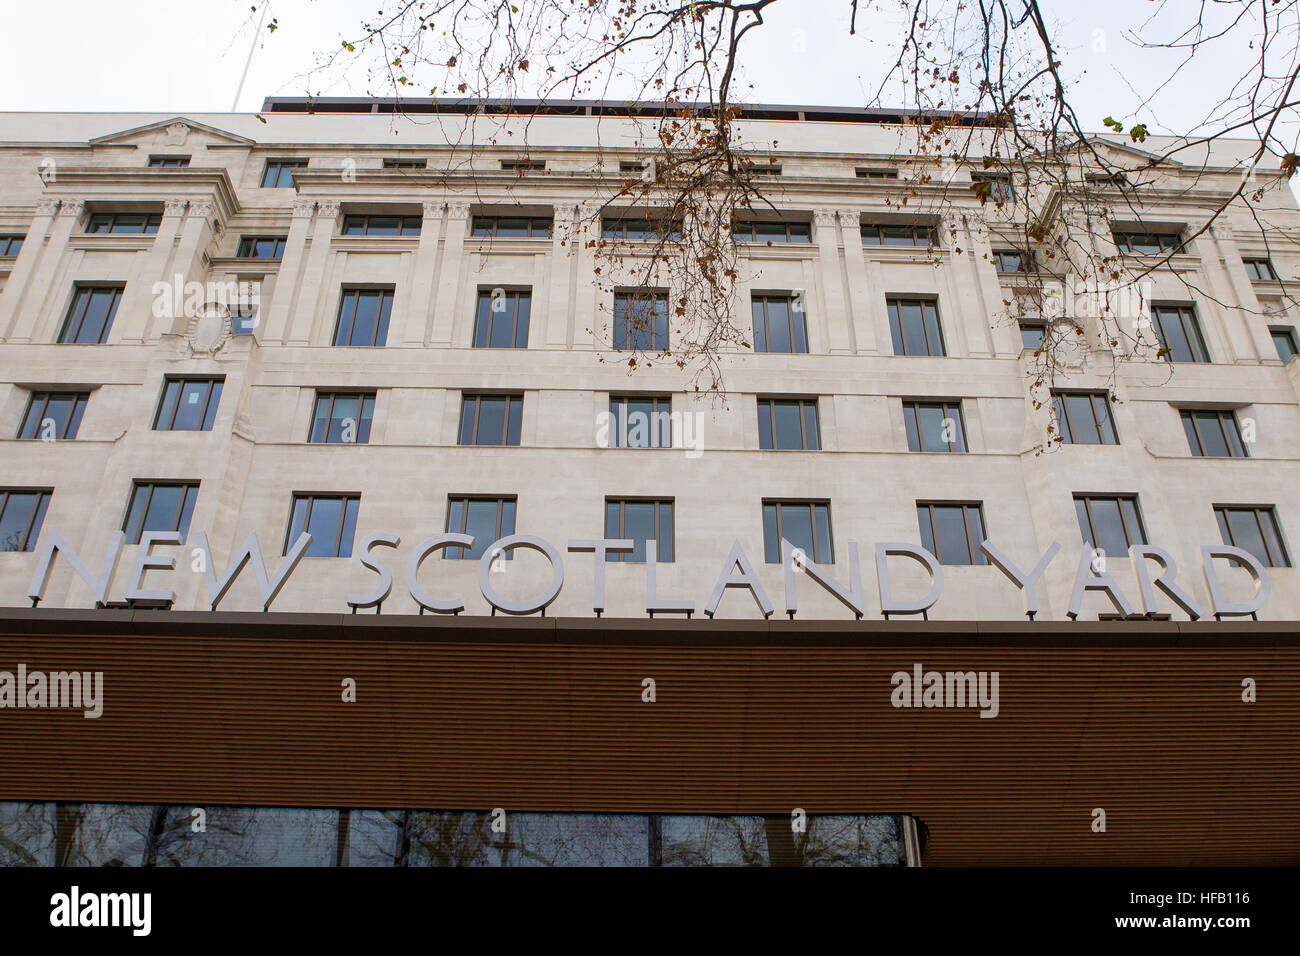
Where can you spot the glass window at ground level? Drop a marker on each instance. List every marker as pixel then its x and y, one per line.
pixel 805 524
pixel 159 506
pixel 485 519
pixel 641 521
pixel 98 834
pixel 331 520
pixel 1255 530
pixel 53 415
pixel 21 515
pixel 952 532
pixel 1109 523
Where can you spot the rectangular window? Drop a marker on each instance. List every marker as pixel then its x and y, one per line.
pixel 640 421
pixel 641 321
pixel 331 520
pixel 168 162
pixel 342 418
pixel 243 318
pixel 188 405
pixel 1260 270
pixel 502 319
pixel 769 169
pixel 406 164
pixel 1285 342
pixel 1084 418
pixel 53 415
pixel 21 513
pixel 124 223
pixel 917 235
pixel 788 424
pixel 1254 530
pixel 640 227
pixel 279 172
pixel 1109 523
pixel 914 325
pixel 1032 334
pixel 381 226
pixel 1012 260
pixel 90 317
pixel 523 165
pixel 761 230
pixel 1147 243
pixel 934 426
pixel 491 419
pixel 641 520
pixel 952 531
pixel 159 506
pixel 779 324
pixel 995 186
pixel 363 317
pixel 512 227
pixel 10 246
pixel 485 519
pixel 1179 333
pixel 631 166
pixel 870 172
pixel 805 524
pixel 261 247
pixel 1213 434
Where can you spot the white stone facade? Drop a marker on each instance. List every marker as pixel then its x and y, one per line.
pixel 56 169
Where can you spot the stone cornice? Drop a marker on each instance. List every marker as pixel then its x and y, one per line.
pixel 130 183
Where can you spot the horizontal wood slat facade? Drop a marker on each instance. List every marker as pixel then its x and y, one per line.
pixel 1143 719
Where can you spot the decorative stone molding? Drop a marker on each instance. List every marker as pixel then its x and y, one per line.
pixel 201 208
pixel 175 207
pixel 433 208
pixel 824 217
pixel 304 208
pixel 209 329
pixel 458 210
pixel 177 134
pixel 47 207
pixel 72 208
pixel 328 209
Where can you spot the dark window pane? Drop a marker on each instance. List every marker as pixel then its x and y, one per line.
pixel 771 539
pixel 323 526
pixel 786 419
pixel 1246 533
pixel 797 528
pixel 950 534
pixel 515 422
pixel 926 523
pixel 1108 527
pixel 666 531
pixel 21 516
pixel 778 325
pixel 491 420
pixel 481 523
pixel 822 518
pixel 760 325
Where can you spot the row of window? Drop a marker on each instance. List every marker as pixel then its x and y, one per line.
pixel 641 322
pixel 636 421
pixel 950 530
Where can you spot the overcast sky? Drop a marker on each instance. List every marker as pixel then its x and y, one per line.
pixel 178 56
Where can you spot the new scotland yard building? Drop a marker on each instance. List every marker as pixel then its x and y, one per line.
pixel 418 346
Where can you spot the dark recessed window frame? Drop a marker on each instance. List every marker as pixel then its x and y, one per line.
pixel 662 521
pixel 345 329
pixel 1179 332
pixel 28 531
pixel 1259 268
pixel 326 426
pixel 1284 340
pixel 38 409
pixel 771 311
pixel 972 520
pixel 872 172
pixel 1129 513
pixel 403 163
pixel 1137 243
pixel 1237 521
pixel 778 432
pixel 931 342
pixel 1208 430
pixel 169 161
pixel 101 297
pixel 261 247
pixel 658 425
pixel 641 320
pixel 458 517
pixel 278 173
pixel 141 500
pixel 640 227
pixel 304 503
pixel 1013 261
pixel 123 223
pixel 1084 417
pixel 472 419
pixel 771 231
pixel 523 165
pixel 506 328
pixel 1001 187
pixel 1033 333
pixel 914 235
pixel 511 227
pixel 380 226
pixel 919 426
pixel 775 520
pixel 10 246
pixel 180 391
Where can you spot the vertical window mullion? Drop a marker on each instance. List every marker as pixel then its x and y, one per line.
pixel 338 530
